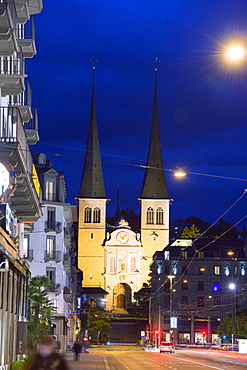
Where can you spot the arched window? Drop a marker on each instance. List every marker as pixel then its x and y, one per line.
pixel 112 264
pixel 132 264
pixel 159 216
pixel 87 215
pixel 150 215
pixel 96 215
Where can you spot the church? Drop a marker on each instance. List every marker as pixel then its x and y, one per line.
pixel 117 260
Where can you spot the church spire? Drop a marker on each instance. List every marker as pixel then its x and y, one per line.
pixel 154 184
pixel 118 211
pixel 92 184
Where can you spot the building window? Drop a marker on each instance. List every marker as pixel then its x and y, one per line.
pixel 166 285
pixel 242 270
pixel 51 218
pixel 25 246
pixel 184 285
pixel 132 264
pixel 216 255
pixel 49 190
pixel 92 302
pixel 227 270
pixel 51 274
pixel 150 215
pixel 50 247
pixel 217 270
pixel 112 265
pixel 87 215
pixel 217 286
pixel 200 301
pixel 91 235
pixel 42 159
pixel 159 216
pixel 167 270
pixel 184 299
pixel 200 255
pixel 217 301
pixel 184 255
pixel 96 215
pixel 184 270
pixel 200 285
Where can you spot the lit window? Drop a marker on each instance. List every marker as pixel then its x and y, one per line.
pixel 132 264
pixel 159 216
pixel 25 246
pixel 216 255
pixel 49 190
pixel 242 270
pixel 217 270
pixel 87 215
pixel 50 247
pixel 227 270
pixel 112 264
pixel 150 215
pixel 159 269
pixel 184 255
pixel 174 270
pixel 96 215
pixel 217 286
pixel 200 255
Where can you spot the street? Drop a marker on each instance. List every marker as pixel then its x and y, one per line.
pixel 135 359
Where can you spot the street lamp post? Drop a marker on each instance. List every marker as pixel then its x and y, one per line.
pixel 170 277
pixel 232 286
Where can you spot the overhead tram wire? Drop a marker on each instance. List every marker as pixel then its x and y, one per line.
pixel 136 24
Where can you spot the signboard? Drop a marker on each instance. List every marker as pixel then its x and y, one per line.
pixel 173 322
pixel 242 343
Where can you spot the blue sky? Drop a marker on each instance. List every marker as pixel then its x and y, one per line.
pixel 201 97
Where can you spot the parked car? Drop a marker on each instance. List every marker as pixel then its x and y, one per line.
pixel 167 347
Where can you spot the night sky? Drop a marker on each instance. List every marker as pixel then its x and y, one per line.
pixel 201 97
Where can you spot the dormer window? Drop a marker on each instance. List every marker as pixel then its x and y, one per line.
pixel 42 158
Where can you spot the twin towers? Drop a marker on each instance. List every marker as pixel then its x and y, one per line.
pixel 118 262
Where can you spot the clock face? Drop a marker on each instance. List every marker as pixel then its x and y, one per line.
pixel 122 237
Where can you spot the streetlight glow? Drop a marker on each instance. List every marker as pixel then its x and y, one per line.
pixel 232 286
pixel 235 53
pixel 180 173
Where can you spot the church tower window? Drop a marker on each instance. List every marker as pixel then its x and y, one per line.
pixel 159 216
pixel 132 264
pixel 96 215
pixel 112 264
pixel 150 215
pixel 87 215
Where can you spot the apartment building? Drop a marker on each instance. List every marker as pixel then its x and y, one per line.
pixel 19 186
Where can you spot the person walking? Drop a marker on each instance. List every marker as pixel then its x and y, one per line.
pixel 77 350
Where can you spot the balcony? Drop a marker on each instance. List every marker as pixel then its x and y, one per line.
pixel 14 148
pixel 28 255
pixel 67 294
pixel 55 288
pixel 67 262
pixel 31 128
pixel 53 256
pixel 25 34
pixel 8 43
pixel 12 75
pixel 53 226
pixel 24 102
pixel 22 11
pixel 35 6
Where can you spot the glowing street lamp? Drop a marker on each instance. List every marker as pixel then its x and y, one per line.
pixel 232 286
pixel 180 173
pixel 235 52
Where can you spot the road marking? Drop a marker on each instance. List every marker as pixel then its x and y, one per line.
pixel 121 362
pixel 193 362
pixel 106 363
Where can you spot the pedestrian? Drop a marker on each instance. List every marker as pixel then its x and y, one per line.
pixel 46 357
pixel 77 350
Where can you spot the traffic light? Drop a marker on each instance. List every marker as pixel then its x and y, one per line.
pixel 204 334
pixel 156 333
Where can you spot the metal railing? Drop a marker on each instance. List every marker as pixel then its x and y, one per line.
pixel 12 131
pixel 53 226
pixel 53 256
pixel 55 288
pixel 32 124
pixel 26 30
pixel 24 98
pixel 12 65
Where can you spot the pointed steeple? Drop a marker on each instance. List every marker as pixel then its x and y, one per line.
pixel 154 184
pixel 92 184
pixel 118 211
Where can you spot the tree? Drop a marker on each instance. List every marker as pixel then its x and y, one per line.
pixel 40 309
pixel 190 233
pixel 99 321
pixel 225 328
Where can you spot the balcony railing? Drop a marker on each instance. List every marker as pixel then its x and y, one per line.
pixel 28 255
pixel 27 30
pixel 53 256
pixel 55 288
pixel 53 226
pixel 24 98
pixel 11 66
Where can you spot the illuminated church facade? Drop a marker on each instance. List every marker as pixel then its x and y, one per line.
pixel 118 261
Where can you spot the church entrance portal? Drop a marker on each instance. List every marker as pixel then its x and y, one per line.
pixel 122 297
